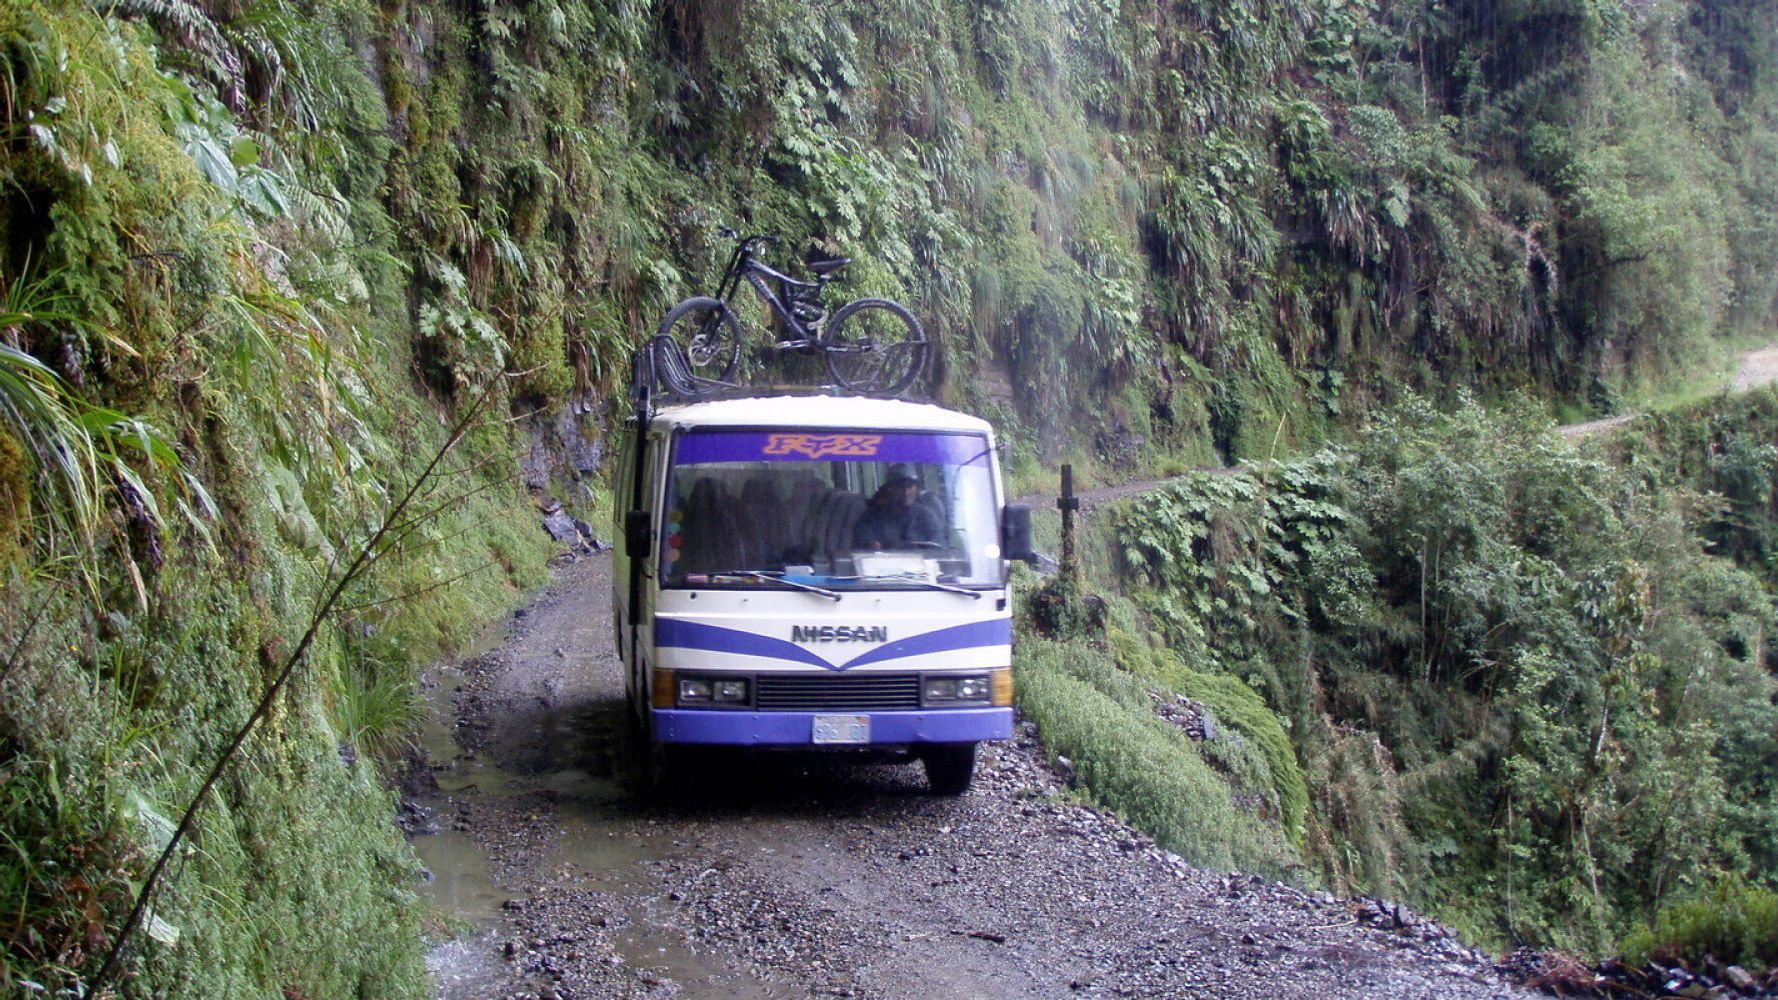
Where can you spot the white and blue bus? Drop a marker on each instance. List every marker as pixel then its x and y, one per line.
pixel 818 573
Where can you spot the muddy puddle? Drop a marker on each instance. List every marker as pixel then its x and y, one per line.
pixel 617 864
pixel 568 779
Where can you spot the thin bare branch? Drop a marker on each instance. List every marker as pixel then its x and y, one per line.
pixel 409 595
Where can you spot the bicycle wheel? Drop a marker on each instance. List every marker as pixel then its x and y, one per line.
pixel 875 345
pixel 708 333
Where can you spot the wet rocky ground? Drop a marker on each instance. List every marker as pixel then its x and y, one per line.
pixel 780 877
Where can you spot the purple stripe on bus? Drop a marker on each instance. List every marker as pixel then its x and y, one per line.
pixel 704 447
pixel 994 632
pixel 696 635
pixel 670 632
pixel 796 729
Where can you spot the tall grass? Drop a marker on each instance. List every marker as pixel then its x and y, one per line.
pixel 376 707
pixel 1137 764
pixel 83 455
pixel 1734 922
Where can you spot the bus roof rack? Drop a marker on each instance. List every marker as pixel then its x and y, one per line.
pixel 661 374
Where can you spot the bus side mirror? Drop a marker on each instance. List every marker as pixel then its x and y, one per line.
pixel 638 534
pixel 1015 533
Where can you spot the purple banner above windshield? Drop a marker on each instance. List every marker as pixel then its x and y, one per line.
pixel 830 446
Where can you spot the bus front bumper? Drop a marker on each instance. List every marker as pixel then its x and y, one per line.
pixel 797 729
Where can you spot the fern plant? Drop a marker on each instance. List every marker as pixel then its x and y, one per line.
pixel 84 456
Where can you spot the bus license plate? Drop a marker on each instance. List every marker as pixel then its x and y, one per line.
pixel 842 729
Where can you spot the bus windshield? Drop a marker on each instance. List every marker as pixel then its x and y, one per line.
pixel 830 509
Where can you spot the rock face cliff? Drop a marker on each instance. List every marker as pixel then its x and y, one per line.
pixel 256 256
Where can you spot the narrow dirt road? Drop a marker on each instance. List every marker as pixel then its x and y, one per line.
pixel 1755 368
pixel 1758 367
pixel 780 877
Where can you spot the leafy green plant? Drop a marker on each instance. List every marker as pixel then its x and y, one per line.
pixel 1135 763
pixel 1731 921
pixel 1472 634
pixel 84 454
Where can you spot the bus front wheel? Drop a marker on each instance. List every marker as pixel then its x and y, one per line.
pixel 949 769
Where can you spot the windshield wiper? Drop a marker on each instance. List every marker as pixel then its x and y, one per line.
pixel 779 578
pixel 920 582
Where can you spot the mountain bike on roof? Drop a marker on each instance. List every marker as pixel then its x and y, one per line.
pixel 871 345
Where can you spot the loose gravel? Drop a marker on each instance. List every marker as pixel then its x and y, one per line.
pixel 790 877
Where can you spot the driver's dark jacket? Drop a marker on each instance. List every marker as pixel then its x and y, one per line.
pixel 892 529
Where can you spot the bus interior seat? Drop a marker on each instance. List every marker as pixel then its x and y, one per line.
pixel 761 523
pixel 819 532
pixel 847 509
pixel 701 530
pixel 798 522
pixel 936 504
pixel 819 527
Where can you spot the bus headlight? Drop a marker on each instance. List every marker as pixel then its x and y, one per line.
pixel 712 691
pixel 942 689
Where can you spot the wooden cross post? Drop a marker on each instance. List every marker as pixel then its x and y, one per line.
pixel 1068 503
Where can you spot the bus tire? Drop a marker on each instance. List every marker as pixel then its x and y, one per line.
pixel 949 769
pixel 665 771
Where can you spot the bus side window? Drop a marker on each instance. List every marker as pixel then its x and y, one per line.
pixel 623 495
pixel 647 466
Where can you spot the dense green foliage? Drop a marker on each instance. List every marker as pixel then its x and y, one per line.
pixel 1521 690
pixel 1203 223
pixel 1733 923
pixel 1725 447
pixel 204 405
pixel 1143 767
pixel 1268 768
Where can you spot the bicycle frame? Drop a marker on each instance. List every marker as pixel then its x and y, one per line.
pixel 886 340
pixel 742 264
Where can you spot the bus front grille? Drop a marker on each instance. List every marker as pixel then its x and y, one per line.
pixel 821 692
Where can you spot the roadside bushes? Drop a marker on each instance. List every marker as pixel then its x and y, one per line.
pixel 1137 764
pixel 1732 922
pixel 1520 690
pixel 1268 765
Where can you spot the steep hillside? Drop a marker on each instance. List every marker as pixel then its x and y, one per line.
pixel 1515 684
pixel 206 408
pixel 257 256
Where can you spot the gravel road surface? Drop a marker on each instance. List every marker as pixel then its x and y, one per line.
pixel 1759 367
pixel 780 877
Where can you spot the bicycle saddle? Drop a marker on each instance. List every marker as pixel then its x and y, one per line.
pixel 829 265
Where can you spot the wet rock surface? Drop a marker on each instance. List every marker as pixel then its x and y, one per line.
pixel 1570 977
pixel 1194 718
pixel 779 876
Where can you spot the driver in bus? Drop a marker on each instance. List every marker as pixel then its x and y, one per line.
pixel 895 519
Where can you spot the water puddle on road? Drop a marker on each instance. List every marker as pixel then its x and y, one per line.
pixel 596 835
pixel 616 863
pixel 460 883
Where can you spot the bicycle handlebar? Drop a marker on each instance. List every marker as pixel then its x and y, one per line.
pixel 729 233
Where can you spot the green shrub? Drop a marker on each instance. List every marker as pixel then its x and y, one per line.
pixel 1237 706
pixel 1733 922
pixel 1489 652
pixel 1137 764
